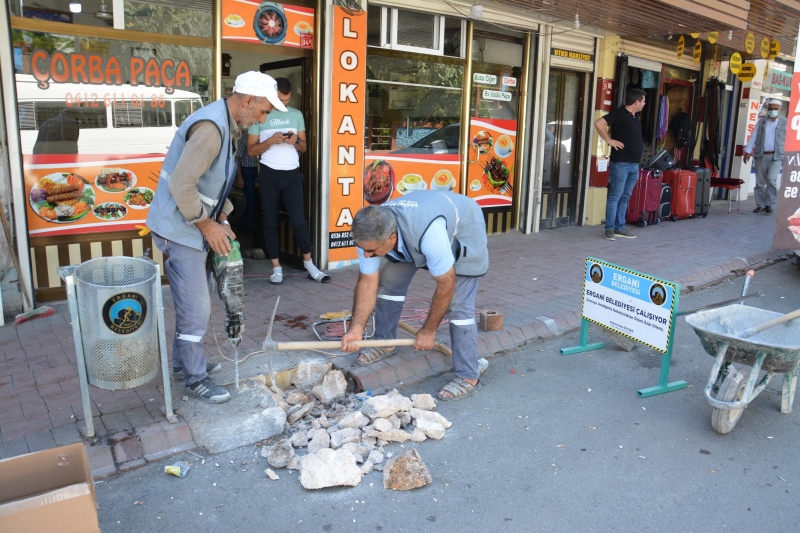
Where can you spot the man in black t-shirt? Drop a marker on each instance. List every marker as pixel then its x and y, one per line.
pixel 625 138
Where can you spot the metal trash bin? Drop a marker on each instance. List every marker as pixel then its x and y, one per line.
pixel 118 322
pixel 118 325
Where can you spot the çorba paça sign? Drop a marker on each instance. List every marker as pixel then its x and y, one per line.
pixel 98 70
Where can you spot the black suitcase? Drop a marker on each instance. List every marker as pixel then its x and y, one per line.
pixel 665 209
pixel 661 161
pixel 702 199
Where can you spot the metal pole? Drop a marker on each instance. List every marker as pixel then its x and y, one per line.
pixel 162 347
pixel 466 101
pixel 217 60
pixel 522 134
pixel 72 299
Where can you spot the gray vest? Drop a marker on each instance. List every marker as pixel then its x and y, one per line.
pixel 165 218
pixel 466 228
pixel 780 137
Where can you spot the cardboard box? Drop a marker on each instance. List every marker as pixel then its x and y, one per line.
pixel 48 491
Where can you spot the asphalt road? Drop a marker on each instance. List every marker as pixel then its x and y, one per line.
pixel 551 443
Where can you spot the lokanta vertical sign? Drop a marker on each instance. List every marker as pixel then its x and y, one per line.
pixel 787 226
pixel 348 96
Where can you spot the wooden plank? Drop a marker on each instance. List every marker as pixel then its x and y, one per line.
pixel 74 254
pixel 33 269
pixel 112 34
pixel 51 253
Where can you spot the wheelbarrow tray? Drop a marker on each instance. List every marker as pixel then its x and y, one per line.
pixel 781 343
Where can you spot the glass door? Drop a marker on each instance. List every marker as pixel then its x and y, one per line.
pixel 297 71
pixel 562 147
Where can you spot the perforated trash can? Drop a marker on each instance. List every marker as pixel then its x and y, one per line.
pixel 118 318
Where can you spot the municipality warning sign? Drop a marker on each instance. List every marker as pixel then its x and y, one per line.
pixel 636 305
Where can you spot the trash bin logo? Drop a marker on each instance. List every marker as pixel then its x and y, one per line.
pixel 596 273
pixel 125 313
pixel 658 294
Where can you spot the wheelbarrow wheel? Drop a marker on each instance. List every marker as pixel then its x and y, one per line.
pixel 724 420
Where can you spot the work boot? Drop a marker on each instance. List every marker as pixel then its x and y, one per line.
pixel 177 373
pixel 768 209
pixel 758 209
pixel 208 391
pixel 610 234
pixel 624 233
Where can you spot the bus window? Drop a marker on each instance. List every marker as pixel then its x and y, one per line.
pixel 128 115
pixel 33 114
pixel 184 108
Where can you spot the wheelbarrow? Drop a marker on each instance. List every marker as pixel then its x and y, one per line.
pixel 728 334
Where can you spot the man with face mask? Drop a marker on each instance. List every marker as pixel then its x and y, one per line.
pixel 189 215
pixel 766 148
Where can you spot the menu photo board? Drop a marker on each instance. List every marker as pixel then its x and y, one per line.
pixel 492 151
pixel 268 22
pixel 88 194
pixel 408 173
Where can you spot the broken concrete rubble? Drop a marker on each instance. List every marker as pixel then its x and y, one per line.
pixel 343 438
pixel 310 373
pixel 406 472
pixel 329 468
pixel 333 387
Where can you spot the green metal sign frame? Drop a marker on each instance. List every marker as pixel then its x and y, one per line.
pixel 664 384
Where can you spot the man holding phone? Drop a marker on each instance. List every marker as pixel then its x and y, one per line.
pixel 280 140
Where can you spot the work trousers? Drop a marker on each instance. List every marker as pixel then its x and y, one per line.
pixel 188 282
pixel 621 179
pixel 767 173
pixel 249 175
pixel 287 185
pixel 394 281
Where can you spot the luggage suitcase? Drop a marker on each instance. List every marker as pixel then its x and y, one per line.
pixel 661 161
pixel 684 187
pixel 665 206
pixel 645 197
pixel 702 199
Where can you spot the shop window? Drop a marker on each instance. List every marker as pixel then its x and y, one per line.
pixel 414 105
pixel 411 31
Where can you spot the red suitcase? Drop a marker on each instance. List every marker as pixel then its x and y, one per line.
pixel 684 190
pixel 645 199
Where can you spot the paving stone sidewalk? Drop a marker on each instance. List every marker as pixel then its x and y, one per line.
pixel 535 281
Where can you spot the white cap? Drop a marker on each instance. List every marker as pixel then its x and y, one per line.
pixel 259 84
pixel 775 101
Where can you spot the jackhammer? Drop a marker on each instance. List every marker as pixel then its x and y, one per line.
pixel 229 276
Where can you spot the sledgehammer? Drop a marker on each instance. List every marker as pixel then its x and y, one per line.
pixel 271 346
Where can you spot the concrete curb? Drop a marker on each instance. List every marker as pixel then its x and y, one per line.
pixel 133 448
pixel 408 368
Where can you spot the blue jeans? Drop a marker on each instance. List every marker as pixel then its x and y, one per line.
pixel 250 175
pixel 621 178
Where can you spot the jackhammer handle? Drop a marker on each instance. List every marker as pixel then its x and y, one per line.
pixel 335 345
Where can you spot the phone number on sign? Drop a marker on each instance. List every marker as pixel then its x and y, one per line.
pixel 119 100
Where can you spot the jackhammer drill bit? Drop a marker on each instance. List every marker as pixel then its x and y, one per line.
pixel 229 275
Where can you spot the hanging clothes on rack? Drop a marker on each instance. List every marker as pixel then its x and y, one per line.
pixel 662 126
pixel 712 126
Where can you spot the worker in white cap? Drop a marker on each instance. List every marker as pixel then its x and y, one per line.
pixel 766 148
pixel 189 215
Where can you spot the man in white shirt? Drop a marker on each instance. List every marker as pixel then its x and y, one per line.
pixel 766 147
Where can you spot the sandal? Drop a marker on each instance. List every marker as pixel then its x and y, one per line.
pixel 320 277
pixel 373 355
pixel 459 388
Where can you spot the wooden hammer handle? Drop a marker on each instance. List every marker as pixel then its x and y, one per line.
pixel 335 345
pixel 439 346
pixel 766 325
